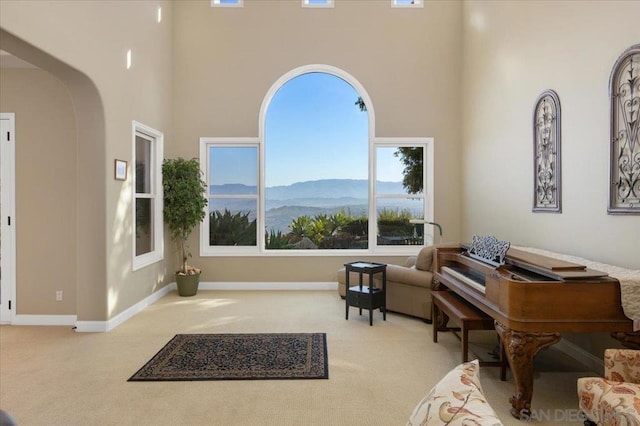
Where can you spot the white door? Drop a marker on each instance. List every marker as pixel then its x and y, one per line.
pixel 7 218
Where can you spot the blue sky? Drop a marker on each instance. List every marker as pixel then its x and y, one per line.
pixel 230 165
pixel 313 131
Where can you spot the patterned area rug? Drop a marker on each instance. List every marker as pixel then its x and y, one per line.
pixel 239 357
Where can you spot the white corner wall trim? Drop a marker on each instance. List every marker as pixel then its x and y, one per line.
pixel 104 326
pixel 44 320
pixel 92 326
pixel 266 286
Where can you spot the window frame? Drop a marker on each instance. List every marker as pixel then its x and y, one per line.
pixel 328 4
pixel 217 3
pixel 427 194
pixel 417 4
pixel 157 152
pixel 205 248
pixel 373 249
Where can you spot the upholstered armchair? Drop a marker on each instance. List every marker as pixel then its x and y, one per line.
pixel 614 399
pixel 408 286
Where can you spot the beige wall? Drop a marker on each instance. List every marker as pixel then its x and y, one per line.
pixel 512 52
pixel 226 59
pixel 85 44
pixel 207 71
pixel 45 189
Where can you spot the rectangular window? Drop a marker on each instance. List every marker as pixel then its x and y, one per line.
pixel 147 194
pixel 231 169
pixel 144 196
pixel 407 3
pixel 317 3
pixel 401 194
pixel 226 3
pixel 247 218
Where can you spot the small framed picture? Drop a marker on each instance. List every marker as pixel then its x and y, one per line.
pixel 120 168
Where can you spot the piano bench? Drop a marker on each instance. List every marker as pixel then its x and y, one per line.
pixel 469 318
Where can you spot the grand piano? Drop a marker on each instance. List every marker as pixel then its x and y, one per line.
pixel 533 299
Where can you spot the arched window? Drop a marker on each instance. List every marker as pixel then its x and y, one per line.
pixel 316 180
pixel 624 92
pixel 316 166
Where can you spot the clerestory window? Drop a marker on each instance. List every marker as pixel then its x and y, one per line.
pixel 226 3
pixel 407 3
pixel 317 3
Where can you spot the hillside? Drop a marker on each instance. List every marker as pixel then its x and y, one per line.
pixel 328 196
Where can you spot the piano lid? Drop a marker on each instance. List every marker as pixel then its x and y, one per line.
pixel 551 267
pixel 494 252
pixel 543 261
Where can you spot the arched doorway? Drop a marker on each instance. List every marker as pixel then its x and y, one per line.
pixel 85 271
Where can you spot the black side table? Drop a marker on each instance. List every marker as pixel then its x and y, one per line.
pixel 367 297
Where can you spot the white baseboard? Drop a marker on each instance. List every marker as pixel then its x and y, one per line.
pixel 45 320
pixel 104 326
pixel 92 326
pixel 591 361
pixel 333 285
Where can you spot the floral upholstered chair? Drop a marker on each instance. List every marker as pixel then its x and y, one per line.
pixel 614 399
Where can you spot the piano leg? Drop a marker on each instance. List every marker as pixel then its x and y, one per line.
pixel 520 348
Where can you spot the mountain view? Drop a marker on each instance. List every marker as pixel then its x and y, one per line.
pixel 327 196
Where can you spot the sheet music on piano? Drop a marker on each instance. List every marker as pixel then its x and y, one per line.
pixel 488 249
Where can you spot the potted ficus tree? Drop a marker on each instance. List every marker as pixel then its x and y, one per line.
pixel 184 209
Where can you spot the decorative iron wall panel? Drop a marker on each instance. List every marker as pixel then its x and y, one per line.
pixel 624 91
pixel 546 154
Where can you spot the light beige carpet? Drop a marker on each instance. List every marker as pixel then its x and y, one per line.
pixel 55 376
